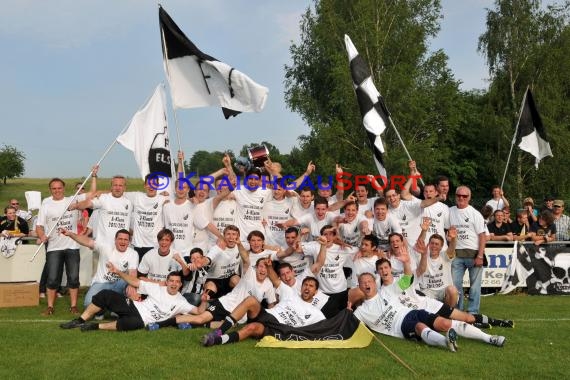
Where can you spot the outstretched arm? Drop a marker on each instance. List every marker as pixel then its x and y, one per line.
pixel 81 239
pixel 131 280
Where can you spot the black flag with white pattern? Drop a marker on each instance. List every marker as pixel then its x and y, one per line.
pixel 197 79
pixel 375 115
pixel 530 133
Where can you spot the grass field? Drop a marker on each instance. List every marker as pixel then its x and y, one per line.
pixel 34 346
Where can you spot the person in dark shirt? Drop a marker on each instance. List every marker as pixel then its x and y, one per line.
pixel 12 225
pixel 498 229
pixel 520 227
pixel 544 230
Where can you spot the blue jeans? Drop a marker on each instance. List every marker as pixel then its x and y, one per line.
pixel 117 286
pixel 54 263
pixel 458 267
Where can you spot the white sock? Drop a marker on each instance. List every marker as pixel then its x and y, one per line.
pixel 433 338
pixel 225 338
pixel 468 331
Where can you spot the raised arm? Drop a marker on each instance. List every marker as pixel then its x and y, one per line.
pixel 81 239
pixel 244 256
pixel 452 242
pixel 131 280
pixel 310 169
pixel 273 277
pixel 321 257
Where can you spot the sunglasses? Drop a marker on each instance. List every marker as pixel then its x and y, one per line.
pixel 462 195
pixel 557 206
pixel 14 204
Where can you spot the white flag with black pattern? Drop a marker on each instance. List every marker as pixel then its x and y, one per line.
pixel 199 80
pixel 375 115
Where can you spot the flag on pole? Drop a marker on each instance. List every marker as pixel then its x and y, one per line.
pixel 531 133
pixel 147 138
pixel 199 80
pixel 374 112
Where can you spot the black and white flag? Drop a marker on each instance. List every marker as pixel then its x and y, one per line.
pixel 199 80
pixel 531 134
pixel 375 115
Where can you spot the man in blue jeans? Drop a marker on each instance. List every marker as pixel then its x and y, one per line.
pixel 470 248
pixel 120 254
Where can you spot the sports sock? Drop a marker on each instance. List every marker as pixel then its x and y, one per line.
pixel 81 320
pixel 433 338
pixel 232 337
pixel 468 331
pixel 228 323
pixel 482 318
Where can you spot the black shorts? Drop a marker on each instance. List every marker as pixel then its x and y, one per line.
pixel 222 284
pixel 412 319
pixel 129 316
pixel 445 311
pixel 337 302
pixel 219 313
pixel 271 324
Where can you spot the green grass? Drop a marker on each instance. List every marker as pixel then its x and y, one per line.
pixel 16 188
pixel 34 346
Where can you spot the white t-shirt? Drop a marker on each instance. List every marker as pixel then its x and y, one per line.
pixel 496 205
pixel 249 207
pixel 408 298
pixel 298 210
pixel 224 215
pixel 469 223
pixel 253 257
pixel 350 232
pixel 113 214
pixel 315 225
pixel 369 206
pixel 331 277
pixel 363 265
pixel 203 213
pixel 382 316
pixel 319 299
pixel 439 215
pixel 438 273
pixel 408 213
pixel 383 228
pixel 50 211
pixel 159 305
pixel 248 286
pixel 299 261
pixel 224 263
pixel 158 267
pixel 291 310
pixel 180 220
pixel 146 219
pixel 274 212
pixel 124 261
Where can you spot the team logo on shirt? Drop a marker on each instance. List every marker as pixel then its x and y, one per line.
pixel 126 207
pixel 337 257
pixel 440 267
pixel 173 307
pixel 261 200
pixel 155 206
pixel 438 215
pixel 287 211
pixel 404 217
pixel 355 229
pixel 385 302
pixel 307 316
pixel 185 217
pixel 466 220
pixel 232 212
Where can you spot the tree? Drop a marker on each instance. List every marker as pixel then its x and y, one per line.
pixel 204 163
pixel 11 163
pixel 524 45
pixel 418 87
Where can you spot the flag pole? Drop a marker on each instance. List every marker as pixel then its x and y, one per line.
pixel 79 189
pixel 514 139
pixel 403 145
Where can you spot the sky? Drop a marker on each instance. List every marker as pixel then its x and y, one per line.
pixel 73 73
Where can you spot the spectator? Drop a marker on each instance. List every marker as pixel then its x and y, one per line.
pixel 544 230
pixel 499 230
pixel 12 225
pixel 528 206
pixel 26 215
pixel 561 221
pixel 498 202
pixel 521 227
pixel 548 203
pixel 507 212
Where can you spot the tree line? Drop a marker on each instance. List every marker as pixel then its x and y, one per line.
pixel 465 135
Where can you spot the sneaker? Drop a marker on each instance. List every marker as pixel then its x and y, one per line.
pixel 89 327
pixel 481 325
pixel 49 311
pixel 74 323
pixel 506 323
pixel 497 340
pixel 59 295
pixel 152 326
pixel 184 326
pixel 42 295
pixel 451 337
pixel 99 317
pixel 212 338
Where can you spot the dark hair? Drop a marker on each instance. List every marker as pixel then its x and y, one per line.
pixel 396 234
pixel 381 201
pixel 56 180
pixel 165 232
pixel 382 261
pixel 372 239
pixel 284 265
pixel 436 237
pixel 257 233
pixel 351 203
pixel 291 230
pixel 547 216
pixel 231 227
pixel 487 211
pixel 309 278
pixel 320 201
pixel 441 178
pixel 175 274
pixel 196 249
pixel 122 231
pixel 326 227
pixel 253 171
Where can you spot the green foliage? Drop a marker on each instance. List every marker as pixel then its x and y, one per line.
pixel 204 163
pixel 11 163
